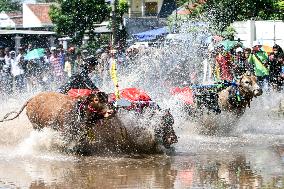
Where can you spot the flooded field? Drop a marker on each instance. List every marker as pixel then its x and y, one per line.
pixel 251 156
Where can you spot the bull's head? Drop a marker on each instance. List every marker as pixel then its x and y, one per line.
pixel 166 132
pixel 248 84
pixel 98 106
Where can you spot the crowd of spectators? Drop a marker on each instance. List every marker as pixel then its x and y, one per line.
pixel 267 65
pixel 48 72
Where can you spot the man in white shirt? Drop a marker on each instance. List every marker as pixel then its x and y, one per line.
pixel 17 72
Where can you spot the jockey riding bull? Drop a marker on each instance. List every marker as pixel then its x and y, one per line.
pixel 81 79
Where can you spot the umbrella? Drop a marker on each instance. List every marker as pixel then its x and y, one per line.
pixel 228 45
pixel 35 54
pixel 184 11
pixel 267 49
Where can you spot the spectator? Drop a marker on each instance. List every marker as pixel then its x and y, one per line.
pixel 259 59
pixel 17 73
pixel 6 73
pixel 68 66
pixel 241 64
pixel 2 63
pixel 56 67
pixel 61 54
pixel 224 65
pixel 29 48
pixel 275 67
pixel 84 53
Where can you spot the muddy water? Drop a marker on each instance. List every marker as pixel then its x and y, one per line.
pixel 252 156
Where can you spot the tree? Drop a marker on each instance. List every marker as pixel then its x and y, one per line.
pixel 221 13
pixel 74 17
pixel 10 5
pixel 121 10
pixel 45 1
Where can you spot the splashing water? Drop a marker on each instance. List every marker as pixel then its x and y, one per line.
pixel 157 70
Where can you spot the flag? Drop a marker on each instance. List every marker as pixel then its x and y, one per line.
pixel 113 75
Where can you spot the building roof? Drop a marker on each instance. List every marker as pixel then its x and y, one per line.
pixel 102 29
pixel 27 32
pixel 16 17
pixel 41 10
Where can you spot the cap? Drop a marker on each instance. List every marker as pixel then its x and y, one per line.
pixel 239 49
pixel 90 60
pixel 52 48
pixel 99 51
pixel 256 43
pixel 12 52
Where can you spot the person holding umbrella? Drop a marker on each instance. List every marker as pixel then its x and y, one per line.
pixel 259 59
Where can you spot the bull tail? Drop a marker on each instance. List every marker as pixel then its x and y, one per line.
pixel 5 118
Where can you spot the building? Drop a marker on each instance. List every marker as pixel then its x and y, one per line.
pixel 32 25
pixel 145 15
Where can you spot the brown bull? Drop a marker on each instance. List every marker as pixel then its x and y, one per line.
pixel 236 98
pixel 131 132
pixel 217 112
pixel 81 121
pixel 58 111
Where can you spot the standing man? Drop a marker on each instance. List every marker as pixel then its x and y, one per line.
pixel 56 67
pixel 17 72
pixel 259 59
pixel 8 81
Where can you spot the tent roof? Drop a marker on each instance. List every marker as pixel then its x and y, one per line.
pixel 151 34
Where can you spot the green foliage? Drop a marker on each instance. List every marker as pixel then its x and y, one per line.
pixel 10 5
pixel 74 17
pixel 221 13
pixel 96 42
pixel 122 7
pixel 229 33
pixel 45 1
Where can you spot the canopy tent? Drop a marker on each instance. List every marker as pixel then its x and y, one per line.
pixel 151 34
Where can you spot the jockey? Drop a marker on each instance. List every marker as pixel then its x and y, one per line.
pixel 81 79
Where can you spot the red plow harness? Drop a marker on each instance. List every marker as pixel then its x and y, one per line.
pixel 138 98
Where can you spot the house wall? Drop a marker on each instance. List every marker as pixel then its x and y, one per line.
pixel 136 6
pixel 5 21
pixel 263 32
pixel 29 19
